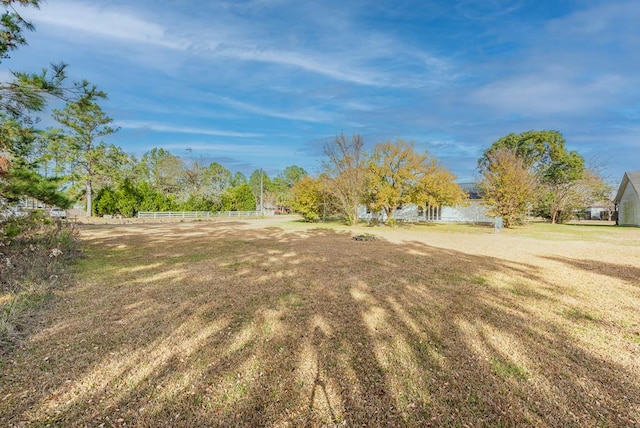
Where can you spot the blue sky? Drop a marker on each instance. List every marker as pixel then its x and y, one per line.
pixel 265 83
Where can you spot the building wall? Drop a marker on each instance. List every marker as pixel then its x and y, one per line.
pixel 475 212
pixel 629 207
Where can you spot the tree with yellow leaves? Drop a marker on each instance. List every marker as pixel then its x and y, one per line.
pixel 398 175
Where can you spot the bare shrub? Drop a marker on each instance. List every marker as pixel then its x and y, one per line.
pixel 33 254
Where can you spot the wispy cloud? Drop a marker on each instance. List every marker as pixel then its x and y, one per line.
pixel 488 9
pixel 99 20
pixel 545 94
pixel 160 127
pixel 304 114
pixel 583 63
pixel 315 63
pixel 247 150
pixel 351 61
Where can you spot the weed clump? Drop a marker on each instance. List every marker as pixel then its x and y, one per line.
pixel 364 237
pixel 34 251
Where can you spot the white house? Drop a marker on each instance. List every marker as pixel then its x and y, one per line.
pixel 628 200
pixel 472 212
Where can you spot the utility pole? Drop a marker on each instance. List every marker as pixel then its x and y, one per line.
pixel 261 191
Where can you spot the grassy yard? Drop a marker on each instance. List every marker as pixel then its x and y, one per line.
pixel 257 324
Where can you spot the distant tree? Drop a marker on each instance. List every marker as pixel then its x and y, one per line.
pixel 218 180
pixel 345 167
pixel 50 153
pixel 311 199
pixel 436 187
pixel 128 199
pixel 595 190
pixel 105 202
pixel 193 181
pixel 507 186
pixel 239 198
pixel 90 157
pixel 542 154
pixel 292 175
pixel 197 203
pixel 282 184
pixel 562 202
pixel 559 185
pixel 237 179
pixel 393 171
pixel 261 188
pixel 152 199
pixel 398 175
pixel 162 170
pixel 536 149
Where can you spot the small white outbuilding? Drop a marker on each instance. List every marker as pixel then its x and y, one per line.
pixel 628 200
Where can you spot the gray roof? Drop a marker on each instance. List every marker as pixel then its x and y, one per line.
pixel 630 177
pixel 472 190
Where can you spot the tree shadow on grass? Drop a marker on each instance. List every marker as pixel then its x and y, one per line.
pixel 244 327
pixel 627 273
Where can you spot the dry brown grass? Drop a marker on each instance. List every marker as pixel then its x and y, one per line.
pixel 246 324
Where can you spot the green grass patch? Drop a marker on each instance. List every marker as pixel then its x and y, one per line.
pixel 507 370
pixel 576 314
pixel 479 280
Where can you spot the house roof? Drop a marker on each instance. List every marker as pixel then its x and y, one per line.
pixel 630 177
pixel 471 189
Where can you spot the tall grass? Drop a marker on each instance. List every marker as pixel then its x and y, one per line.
pixel 34 251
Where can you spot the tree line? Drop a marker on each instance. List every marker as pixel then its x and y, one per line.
pixel 71 162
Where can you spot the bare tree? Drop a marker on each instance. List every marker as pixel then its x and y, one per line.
pixel 345 166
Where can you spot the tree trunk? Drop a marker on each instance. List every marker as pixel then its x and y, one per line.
pixel 89 198
pixel 389 211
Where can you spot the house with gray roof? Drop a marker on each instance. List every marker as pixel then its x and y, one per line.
pixel 627 200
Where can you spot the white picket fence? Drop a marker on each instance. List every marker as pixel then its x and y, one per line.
pixel 203 214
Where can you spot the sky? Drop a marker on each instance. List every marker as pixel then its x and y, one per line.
pixel 267 83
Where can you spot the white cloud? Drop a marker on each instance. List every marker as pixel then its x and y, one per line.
pixel 304 115
pixel 486 10
pixel 94 19
pixel 581 64
pixel 315 63
pixel 160 127
pixel 538 94
pixel 371 60
pixel 600 24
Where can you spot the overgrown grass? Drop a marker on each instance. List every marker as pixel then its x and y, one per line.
pixel 234 324
pixel 33 254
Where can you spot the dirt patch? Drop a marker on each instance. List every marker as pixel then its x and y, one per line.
pixel 276 323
